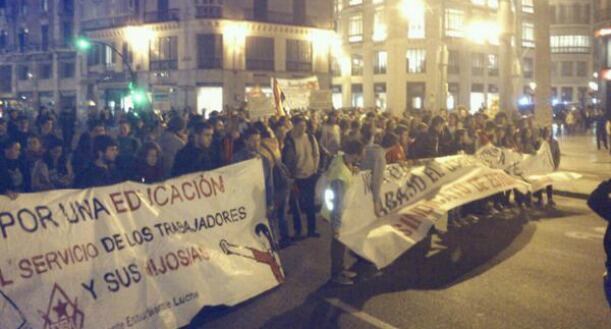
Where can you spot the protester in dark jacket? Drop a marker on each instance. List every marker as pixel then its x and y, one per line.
pixel 83 154
pixel 197 154
pixel 14 172
pixel 102 170
pixel 600 202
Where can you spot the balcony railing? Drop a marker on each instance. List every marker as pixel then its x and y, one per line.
pixel 209 11
pixel 210 63
pixel 260 64
pixel 172 15
pixel 171 64
pixel 295 66
pixel 109 22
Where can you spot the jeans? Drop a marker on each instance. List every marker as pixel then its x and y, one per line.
pixel 338 254
pixel 306 202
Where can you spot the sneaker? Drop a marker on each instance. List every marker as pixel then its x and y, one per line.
pixel 349 274
pixel 342 280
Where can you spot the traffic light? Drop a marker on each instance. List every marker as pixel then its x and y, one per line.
pixel 138 95
pixel 82 43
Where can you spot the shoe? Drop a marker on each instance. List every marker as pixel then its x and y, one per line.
pixel 342 280
pixel 297 237
pixel 313 235
pixel 284 243
pixel 349 274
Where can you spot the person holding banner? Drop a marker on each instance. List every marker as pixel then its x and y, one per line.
pixel 102 171
pixel 339 177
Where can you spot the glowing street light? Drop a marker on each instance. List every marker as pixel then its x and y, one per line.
pixel 82 43
pixel 139 38
pixel 482 32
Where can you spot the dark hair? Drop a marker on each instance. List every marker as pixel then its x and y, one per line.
pixel 176 124
pixel 199 127
pixel 9 143
pixel 298 119
pixel 389 140
pixel 262 129
pixel 125 121
pixel 146 147
pixel 63 159
pixel 251 131
pixel 353 147
pixel 102 143
pixel 437 120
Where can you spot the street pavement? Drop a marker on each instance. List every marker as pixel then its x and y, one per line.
pixel 539 269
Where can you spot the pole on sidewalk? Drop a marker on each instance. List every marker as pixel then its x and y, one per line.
pixel 543 92
pixel 506 59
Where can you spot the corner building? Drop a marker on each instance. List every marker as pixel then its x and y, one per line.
pixel 394 56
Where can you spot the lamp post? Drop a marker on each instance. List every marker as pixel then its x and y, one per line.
pixel 138 95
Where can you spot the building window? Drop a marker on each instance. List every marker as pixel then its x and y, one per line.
pixel 453 62
pixel 493 65
pixel 164 53
pixel 570 44
pixel 415 95
pixel 3 39
pixel 355 2
pixel 209 9
pixel 355 28
pixel 494 4
pixel 416 60
pixel 23 72
pixel 22 39
pixel 416 24
pixel 337 96
pixel 528 67
pixel 379 93
pixel 528 35
pixel 528 6
pixel 94 55
pixel 44 5
pixel 566 69
pixel 380 62
pixel 479 2
pixel 260 54
pixel 110 58
pixel 44 37
pixel 209 51
pixel 67 70
pixel 581 69
pixel 357 95
pixel 477 64
pixel 454 23
pixel 566 94
pixel 379 25
pixel 298 56
pixel 128 55
pixel 357 65
pixel 23 9
pixel 45 71
pixel 6 78
pixel 67 33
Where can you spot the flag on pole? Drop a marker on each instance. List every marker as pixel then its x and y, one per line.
pixel 278 97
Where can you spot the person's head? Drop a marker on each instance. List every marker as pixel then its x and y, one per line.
pixel 218 125
pixel 252 139
pixel 33 144
pixel 46 125
pixel 3 127
pixel 461 136
pixel 389 140
pixel 545 133
pixel 332 118
pixel 452 119
pixel 11 150
pixel 98 129
pixel 55 149
pixel 176 124
pixel 403 134
pixel 353 150
pixel 23 123
pixel 437 124
pixel 125 128
pixel 149 154
pixel 299 126
pixel 202 133
pixel 105 149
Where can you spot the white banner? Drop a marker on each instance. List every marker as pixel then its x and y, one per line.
pixel 260 106
pixel 415 199
pixel 133 255
pixel 297 91
pixel 320 100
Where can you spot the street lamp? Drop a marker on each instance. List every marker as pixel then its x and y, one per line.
pixel 138 95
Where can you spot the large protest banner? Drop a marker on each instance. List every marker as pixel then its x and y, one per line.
pixel 133 255
pixel 417 198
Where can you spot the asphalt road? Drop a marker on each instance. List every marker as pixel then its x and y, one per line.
pixel 513 272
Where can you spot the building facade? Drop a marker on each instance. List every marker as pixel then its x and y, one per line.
pixel 571 46
pixel 201 54
pixel 408 55
pixel 602 51
pixel 37 62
